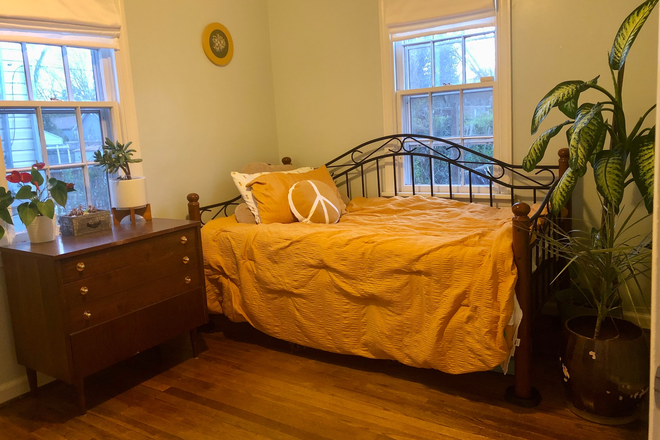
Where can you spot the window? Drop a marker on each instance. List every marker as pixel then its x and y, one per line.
pixel 57 105
pixel 444 88
pixel 446 72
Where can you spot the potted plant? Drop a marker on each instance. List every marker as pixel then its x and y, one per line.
pixel 126 191
pixel 38 209
pixel 599 351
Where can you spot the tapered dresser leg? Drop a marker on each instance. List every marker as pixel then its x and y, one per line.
pixel 32 379
pixel 79 385
pixel 193 342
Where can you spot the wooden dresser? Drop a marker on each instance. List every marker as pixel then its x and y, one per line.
pixel 81 304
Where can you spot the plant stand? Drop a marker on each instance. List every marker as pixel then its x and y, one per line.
pixel 119 214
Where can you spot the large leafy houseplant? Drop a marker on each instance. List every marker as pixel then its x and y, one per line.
pixel 628 159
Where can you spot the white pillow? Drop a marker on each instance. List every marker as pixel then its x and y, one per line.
pixel 242 179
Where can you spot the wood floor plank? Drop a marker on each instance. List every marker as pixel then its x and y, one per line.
pixel 248 386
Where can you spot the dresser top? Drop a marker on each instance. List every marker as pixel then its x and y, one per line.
pixel 63 247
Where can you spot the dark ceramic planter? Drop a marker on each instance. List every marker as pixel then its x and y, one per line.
pixel 607 378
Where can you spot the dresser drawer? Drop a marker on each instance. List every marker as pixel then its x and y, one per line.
pixel 107 260
pixel 90 289
pixel 100 346
pixel 125 302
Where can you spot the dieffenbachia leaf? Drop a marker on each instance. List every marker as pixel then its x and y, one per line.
pixel 627 33
pixel 563 191
pixel 569 108
pixel 609 174
pixel 537 149
pixel 642 161
pixel 559 95
pixel 586 136
pixel 600 144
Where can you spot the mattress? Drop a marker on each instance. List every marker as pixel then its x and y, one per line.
pixel 426 281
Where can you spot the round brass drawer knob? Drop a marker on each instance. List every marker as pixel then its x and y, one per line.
pixel 184 240
pixel 87 315
pixel 80 267
pixel 186 260
pixel 187 280
pixel 84 291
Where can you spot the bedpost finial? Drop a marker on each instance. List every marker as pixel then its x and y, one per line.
pixel 563 153
pixel 192 197
pixel 520 209
pixel 286 160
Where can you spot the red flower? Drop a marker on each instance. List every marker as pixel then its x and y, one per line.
pixel 69 187
pixel 14 177
pixel 39 165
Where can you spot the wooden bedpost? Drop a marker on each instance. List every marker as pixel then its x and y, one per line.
pixel 286 160
pixel 522 393
pixel 193 207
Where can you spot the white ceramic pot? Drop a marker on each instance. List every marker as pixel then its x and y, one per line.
pixel 41 230
pixel 128 193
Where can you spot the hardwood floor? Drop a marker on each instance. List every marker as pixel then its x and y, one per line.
pixel 246 385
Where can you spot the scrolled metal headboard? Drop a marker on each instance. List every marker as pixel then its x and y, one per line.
pixel 376 168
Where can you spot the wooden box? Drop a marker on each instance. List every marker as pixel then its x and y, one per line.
pixel 85 224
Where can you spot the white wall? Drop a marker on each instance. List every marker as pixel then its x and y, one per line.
pixel 326 72
pixel 199 121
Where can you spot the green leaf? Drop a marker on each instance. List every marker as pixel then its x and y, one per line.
pixel 563 191
pixel 627 33
pixel 600 144
pixel 37 177
pixel 609 173
pixel 537 150
pixel 46 208
pixel 560 94
pixel 586 136
pixel 642 161
pixel 6 216
pixel 27 213
pixel 569 108
pixel 59 193
pixel 25 193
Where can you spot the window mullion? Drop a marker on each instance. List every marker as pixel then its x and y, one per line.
pixel 461 96
pixel 83 155
pixel 28 74
pixel 463 57
pixel 88 184
pixel 42 138
pixel 67 73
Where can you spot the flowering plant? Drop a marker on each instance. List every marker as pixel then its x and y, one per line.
pixel 39 202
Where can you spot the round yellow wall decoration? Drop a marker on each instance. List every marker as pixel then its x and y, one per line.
pixel 217 43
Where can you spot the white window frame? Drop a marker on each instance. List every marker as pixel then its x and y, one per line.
pixel 393 96
pixel 116 82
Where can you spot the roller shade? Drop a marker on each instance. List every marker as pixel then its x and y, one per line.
pixel 78 21
pixel 407 12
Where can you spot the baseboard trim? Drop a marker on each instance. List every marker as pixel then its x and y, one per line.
pixel 16 387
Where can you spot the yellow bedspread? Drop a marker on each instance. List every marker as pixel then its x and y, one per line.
pixel 426 281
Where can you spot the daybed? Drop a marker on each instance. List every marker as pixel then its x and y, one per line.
pixel 411 274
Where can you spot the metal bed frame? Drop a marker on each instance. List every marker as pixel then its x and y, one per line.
pixel 375 168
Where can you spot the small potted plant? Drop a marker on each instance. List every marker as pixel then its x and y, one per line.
pixel 38 209
pixel 126 191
